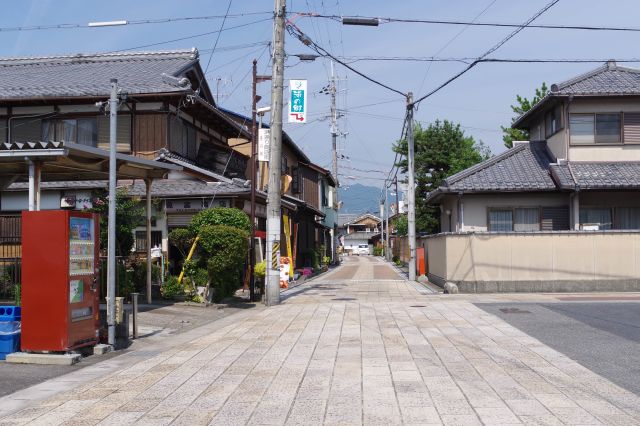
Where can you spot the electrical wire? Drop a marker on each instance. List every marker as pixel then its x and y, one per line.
pixel 294 31
pixel 487 53
pixel 71 26
pixel 448 43
pixel 190 36
pixel 472 23
pixel 216 42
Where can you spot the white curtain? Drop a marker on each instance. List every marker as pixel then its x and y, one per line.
pixel 527 219
pixel 501 220
pixel 87 132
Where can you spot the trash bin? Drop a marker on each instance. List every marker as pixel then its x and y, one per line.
pixel 9 330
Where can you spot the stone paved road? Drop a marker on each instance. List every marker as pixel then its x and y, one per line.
pixel 346 351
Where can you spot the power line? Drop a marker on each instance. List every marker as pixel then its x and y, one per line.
pixel 488 52
pixel 477 24
pixel 191 36
pixel 448 43
pixel 216 42
pixel 468 60
pixel 71 26
pixel 296 32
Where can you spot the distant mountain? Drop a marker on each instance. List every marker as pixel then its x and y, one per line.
pixel 359 198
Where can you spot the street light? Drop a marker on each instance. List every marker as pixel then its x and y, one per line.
pixel 107 23
pixel 367 22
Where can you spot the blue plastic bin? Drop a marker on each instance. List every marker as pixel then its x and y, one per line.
pixel 9 330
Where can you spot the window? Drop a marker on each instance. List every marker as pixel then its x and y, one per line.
pixel 519 219
pixel 323 194
pixel 295 179
pixel 555 219
pixel 141 240
pixel 527 219
pixel 595 128
pixel 501 220
pixel 81 130
pixel 285 165
pixel 553 121
pixel 595 218
pixel 627 218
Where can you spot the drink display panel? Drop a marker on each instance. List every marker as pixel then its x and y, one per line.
pixel 81 246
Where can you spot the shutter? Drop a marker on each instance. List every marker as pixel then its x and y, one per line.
pixel 555 219
pixel 179 220
pixel 123 134
pixel 631 127
pixel 26 130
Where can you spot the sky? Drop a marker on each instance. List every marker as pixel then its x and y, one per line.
pixel 371 116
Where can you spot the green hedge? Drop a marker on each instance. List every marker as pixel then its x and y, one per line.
pixel 226 251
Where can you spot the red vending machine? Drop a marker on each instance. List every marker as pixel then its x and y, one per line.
pixel 60 289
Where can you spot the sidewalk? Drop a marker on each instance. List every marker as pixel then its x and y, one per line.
pixel 157 322
pixel 344 351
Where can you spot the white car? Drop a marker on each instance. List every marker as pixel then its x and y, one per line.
pixel 362 249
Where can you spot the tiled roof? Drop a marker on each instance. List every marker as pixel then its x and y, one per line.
pixel 83 184
pixel 90 74
pixel 607 79
pixel 349 218
pixel 185 188
pixel 524 167
pixel 619 175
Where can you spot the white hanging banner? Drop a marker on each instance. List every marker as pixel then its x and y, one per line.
pixel 263 144
pixel 298 101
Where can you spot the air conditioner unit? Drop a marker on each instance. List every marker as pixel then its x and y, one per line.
pixel 68 202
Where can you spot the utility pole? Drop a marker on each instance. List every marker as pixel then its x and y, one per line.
pixel 334 150
pixel 111 239
pixel 275 144
pixel 334 125
pixel 411 195
pixel 386 202
pixel 254 170
pixel 253 159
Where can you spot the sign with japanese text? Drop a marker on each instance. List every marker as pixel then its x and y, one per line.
pixel 298 101
pixel 263 144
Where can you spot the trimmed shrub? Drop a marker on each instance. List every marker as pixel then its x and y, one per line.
pixel 182 239
pixel 377 251
pixel 220 216
pixel 172 289
pixel 226 249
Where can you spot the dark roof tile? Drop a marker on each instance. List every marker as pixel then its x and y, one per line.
pixel 90 74
pixel 523 167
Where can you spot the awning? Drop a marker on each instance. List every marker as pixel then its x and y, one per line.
pixel 67 161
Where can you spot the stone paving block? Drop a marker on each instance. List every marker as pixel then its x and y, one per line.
pixel 527 407
pixel 460 419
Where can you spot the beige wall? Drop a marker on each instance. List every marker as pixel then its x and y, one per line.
pixel 541 256
pixel 475 206
pixel 556 144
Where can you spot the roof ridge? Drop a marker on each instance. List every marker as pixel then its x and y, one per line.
pixel 484 164
pixel 580 77
pixel 193 53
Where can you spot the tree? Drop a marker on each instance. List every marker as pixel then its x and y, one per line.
pixel 129 215
pixel 401 224
pixel 220 216
pixel 524 105
pixel 441 150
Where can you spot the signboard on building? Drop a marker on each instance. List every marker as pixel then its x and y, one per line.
pixel 186 205
pixel 263 144
pixel 298 101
